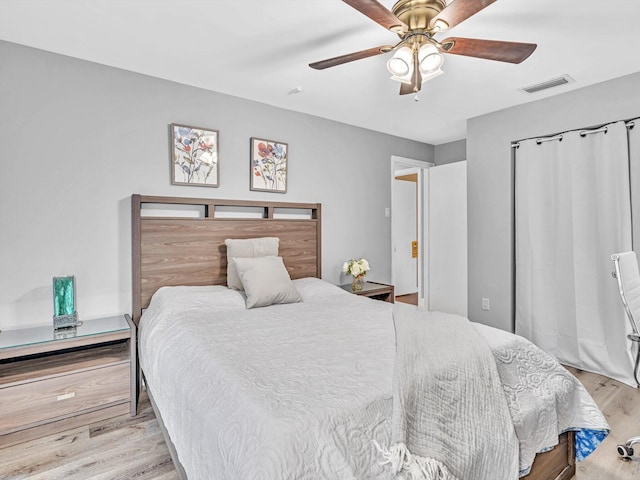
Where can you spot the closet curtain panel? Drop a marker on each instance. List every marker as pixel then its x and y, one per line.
pixel 572 201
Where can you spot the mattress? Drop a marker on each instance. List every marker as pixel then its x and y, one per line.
pixel 304 390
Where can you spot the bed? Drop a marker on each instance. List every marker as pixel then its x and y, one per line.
pixel 301 390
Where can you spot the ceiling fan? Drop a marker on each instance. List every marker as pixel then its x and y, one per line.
pixel 418 55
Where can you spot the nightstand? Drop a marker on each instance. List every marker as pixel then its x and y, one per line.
pixel 54 380
pixel 377 291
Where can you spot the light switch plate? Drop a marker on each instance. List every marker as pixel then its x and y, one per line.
pixel 486 304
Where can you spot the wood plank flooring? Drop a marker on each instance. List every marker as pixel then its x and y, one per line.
pixel 621 406
pixel 411 298
pixel 133 448
pixel 116 449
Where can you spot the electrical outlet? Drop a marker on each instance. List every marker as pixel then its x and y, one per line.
pixel 486 304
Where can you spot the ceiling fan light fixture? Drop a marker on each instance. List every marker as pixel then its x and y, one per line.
pixel 432 75
pixel 429 59
pixel 439 25
pixel 406 79
pixel 400 65
pixel 418 56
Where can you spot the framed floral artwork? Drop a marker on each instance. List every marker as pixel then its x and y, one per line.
pixel 194 157
pixel 268 165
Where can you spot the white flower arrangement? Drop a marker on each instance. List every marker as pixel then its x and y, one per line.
pixel 355 267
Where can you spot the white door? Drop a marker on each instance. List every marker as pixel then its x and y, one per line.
pixel 404 225
pixel 446 262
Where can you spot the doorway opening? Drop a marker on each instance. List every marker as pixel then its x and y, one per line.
pixel 408 223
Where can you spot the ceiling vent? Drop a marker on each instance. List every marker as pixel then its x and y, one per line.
pixel 554 82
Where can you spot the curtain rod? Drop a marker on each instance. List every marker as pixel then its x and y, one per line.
pixel 583 133
pixel 549 139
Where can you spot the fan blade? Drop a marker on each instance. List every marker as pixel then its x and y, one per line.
pixel 379 14
pixel 350 57
pixel 512 52
pixel 416 80
pixel 458 11
pixel 408 88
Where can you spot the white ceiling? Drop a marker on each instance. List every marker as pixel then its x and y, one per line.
pixel 260 49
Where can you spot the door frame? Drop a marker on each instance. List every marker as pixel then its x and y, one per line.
pixel 401 163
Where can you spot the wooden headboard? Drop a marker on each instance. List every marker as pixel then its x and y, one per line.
pixel 170 250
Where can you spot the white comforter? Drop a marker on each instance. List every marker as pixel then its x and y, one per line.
pixel 301 391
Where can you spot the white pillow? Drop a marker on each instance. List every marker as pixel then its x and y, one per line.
pixel 266 281
pixel 247 248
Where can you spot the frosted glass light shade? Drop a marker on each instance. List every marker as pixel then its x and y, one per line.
pixel 400 65
pixel 429 58
pixel 440 25
pixel 432 75
pixel 406 79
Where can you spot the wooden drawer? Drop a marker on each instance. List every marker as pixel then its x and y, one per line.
pixel 36 402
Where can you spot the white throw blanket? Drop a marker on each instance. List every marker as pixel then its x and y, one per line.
pixel 447 399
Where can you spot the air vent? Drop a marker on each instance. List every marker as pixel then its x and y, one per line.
pixel 554 82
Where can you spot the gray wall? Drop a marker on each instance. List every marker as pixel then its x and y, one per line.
pixel 451 152
pixel 79 138
pixel 490 174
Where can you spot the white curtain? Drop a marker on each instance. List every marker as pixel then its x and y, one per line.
pixel 634 170
pixel 573 210
pixel 634 164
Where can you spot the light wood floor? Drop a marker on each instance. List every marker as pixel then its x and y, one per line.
pixel 621 406
pixel 133 448
pixel 411 298
pixel 117 449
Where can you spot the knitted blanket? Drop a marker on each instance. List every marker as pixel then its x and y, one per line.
pixel 447 398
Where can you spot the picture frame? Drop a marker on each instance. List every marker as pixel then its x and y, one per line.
pixel 269 165
pixel 194 156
